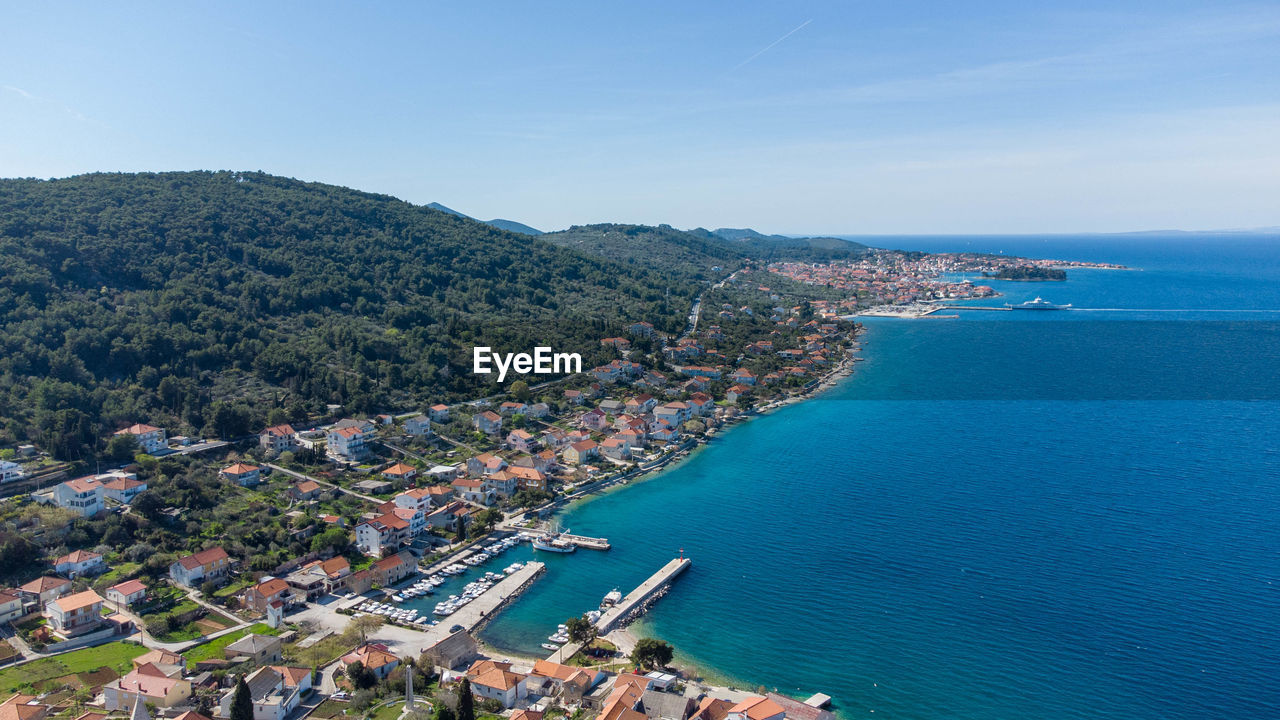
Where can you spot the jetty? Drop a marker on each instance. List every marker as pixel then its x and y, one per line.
pixel 590 543
pixel 481 610
pixel 630 607
pixel 639 600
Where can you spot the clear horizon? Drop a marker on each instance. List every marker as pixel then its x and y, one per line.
pixel 916 119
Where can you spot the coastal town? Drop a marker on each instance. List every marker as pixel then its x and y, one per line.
pixel 288 571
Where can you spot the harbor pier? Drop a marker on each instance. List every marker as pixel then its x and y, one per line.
pixel 639 600
pixel 589 543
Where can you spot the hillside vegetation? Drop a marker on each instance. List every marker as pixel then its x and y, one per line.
pixel 209 299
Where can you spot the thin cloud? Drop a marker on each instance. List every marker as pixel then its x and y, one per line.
pixel 773 44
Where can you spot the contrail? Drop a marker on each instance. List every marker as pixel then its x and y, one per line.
pixel 771 45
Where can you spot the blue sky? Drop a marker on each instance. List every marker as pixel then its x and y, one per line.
pixel 838 117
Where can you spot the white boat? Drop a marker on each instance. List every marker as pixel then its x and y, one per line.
pixel 549 646
pixel 613 597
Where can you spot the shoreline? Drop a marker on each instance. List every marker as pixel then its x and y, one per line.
pixel 708 678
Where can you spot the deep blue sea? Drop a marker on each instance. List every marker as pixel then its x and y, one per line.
pixel 1004 516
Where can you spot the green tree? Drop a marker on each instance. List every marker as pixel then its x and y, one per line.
pixel 487 519
pixel 361 677
pixel 466 701
pixel 652 653
pixel 241 703
pixel 443 712
pixel 519 390
pixel 333 538
pixel 122 447
pixel 581 630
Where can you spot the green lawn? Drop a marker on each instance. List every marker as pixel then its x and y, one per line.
pixel 116 575
pixel 388 712
pixel 213 648
pixel 116 655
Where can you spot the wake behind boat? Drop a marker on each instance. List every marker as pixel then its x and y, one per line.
pixel 1038 304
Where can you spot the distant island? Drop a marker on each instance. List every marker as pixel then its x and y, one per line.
pixel 1028 273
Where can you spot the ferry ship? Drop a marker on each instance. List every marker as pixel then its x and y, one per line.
pixel 1038 304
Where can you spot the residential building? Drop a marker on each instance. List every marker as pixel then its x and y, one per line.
pixel 267 591
pixel 522 440
pixel 374 656
pixel 242 474
pixel 448 517
pixel 148 683
pixel 513 408
pixel 392 569
pixel 44 589
pixel 275 692
pixel 126 593
pixel 473 490
pixel 503 484
pixel 305 490
pixel 150 438
pixel 121 487
pixel 488 422
pixel 485 464
pixel 82 496
pixel 495 681
pixel 11 607
pixel 616 448
pixel 382 534
pixel 581 452
pixel 756 708
pixel 211 565
pixel 418 425
pixel 457 649
pixel 346 443
pixel 78 563
pixel 278 438
pixel 528 478
pixel 254 648
pixel 75 614
pixel 400 471
pixel 439 413
pixel 10 471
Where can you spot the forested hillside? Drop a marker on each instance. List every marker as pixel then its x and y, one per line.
pixel 683 256
pixel 207 299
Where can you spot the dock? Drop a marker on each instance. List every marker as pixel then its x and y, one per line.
pixel 481 610
pixel 639 600
pixel 589 543
pixel 632 606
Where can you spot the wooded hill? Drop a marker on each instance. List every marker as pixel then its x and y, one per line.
pixel 211 297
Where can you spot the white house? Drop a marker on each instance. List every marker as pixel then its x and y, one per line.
pixel 150 438
pixel 207 565
pixel 275 692
pixel 242 474
pixel 346 443
pixel 439 412
pixel 126 593
pixel 75 614
pixel 10 471
pixel 278 438
pixel 495 681
pixel 81 495
pixel 121 486
pixel 78 563
pixel 415 426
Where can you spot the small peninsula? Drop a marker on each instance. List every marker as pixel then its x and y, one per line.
pixel 1028 273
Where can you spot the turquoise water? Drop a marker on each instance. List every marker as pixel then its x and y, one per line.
pixel 1009 515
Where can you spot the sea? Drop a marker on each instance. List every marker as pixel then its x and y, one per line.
pixel 1000 516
